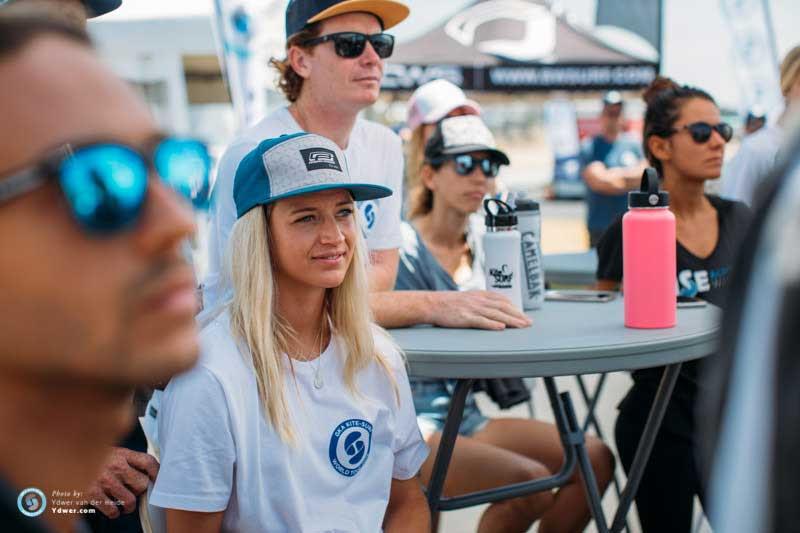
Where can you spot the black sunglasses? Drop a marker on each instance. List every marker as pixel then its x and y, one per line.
pixel 351 44
pixel 701 131
pixel 465 164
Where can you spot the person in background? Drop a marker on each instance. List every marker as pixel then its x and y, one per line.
pixel 331 73
pixel 430 103
pixel 758 153
pixel 96 298
pixel 442 252
pixel 299 415
pixel 755 120
pixel 684 140
pixel 612 164
pixel 335 52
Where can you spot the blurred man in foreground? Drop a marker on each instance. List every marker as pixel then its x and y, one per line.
pixel 95 297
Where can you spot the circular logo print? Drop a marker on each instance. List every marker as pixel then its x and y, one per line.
pixel 31 502
pixel 350 445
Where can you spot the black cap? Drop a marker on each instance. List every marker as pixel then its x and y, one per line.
pixel 300 13
pixel 648 194
pixel 462 135
pixel 525 204
pixel 503 218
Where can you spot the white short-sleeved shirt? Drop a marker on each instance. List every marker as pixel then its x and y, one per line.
pixel 374 155
pixel 218 452
pixel 751 164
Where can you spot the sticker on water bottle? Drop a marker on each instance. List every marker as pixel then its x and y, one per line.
pixel 502 277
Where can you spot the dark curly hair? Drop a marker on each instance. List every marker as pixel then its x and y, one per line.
pixel 665 98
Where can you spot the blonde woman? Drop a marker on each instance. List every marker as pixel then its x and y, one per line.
pixel 441 252
pixel 299 415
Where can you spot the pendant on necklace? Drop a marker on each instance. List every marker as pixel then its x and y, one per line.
pixel 318 383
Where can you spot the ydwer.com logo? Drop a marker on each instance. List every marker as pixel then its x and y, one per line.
pixel 31 502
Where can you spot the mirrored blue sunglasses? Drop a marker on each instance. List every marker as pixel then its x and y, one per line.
pixel 105 183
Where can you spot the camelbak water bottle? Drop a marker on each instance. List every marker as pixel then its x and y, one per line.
pixel 648 257
pixel 530 229
pixel 501 247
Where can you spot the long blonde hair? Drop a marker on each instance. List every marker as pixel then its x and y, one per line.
pixel 267 336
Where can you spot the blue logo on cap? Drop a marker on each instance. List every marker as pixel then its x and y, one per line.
pixel 350 445
pixel 31 502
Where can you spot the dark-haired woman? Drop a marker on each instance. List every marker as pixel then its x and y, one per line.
pixel 684 139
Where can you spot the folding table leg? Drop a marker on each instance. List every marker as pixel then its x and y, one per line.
pixel 591 401
pixel 447 443
pixel 572 436
pixel 657 411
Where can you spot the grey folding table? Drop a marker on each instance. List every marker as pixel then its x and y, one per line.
pixel 576 269
pixel 566 338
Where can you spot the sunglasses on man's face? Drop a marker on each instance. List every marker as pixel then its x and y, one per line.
pixel 465 164
pixel 701 131
pixel 351 44
pixel 105 183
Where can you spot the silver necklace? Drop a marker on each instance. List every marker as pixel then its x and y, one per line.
pixel 318 381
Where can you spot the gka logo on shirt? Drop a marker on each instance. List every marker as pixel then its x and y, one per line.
pixel 350 445
pixel 320 159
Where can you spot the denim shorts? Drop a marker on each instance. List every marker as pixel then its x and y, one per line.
pixel 432 402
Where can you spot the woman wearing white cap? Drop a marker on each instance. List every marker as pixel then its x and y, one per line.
pixel 298 416
pixel 429 104
pixel 442 252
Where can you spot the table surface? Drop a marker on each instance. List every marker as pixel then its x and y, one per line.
pixel 571 269
pixel 566 338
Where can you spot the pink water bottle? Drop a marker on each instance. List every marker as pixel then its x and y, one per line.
pixel 648 257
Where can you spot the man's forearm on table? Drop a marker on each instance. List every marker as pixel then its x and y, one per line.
pixel 397 309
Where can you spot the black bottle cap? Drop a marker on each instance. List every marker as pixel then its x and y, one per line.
pixel 504 217
pixel 525 204
pixel 648 194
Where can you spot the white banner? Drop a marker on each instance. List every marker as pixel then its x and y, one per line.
pixel 246 38
pixel 755 62
pixel 562 130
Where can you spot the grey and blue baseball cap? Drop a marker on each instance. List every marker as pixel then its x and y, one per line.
pixel 292 165
pixel 461 135
pixel 300 13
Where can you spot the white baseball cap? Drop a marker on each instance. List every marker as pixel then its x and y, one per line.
pixel 432 102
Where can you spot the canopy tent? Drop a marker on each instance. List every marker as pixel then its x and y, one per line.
pixel 522 45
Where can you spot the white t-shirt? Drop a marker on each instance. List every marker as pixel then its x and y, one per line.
pixel 219 453
pixel 751 164
pixel 374 155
